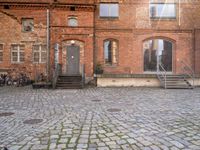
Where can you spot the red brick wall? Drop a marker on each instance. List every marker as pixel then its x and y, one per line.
pixel 11 33
pixel 197 51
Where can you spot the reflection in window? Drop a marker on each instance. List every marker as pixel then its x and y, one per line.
pixel 157 51
pixel 27 25
pixel 110 51
pixel 109 10
pixel 163 10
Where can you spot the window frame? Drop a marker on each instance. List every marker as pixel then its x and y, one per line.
pixel 109 16
pixel 163 17
pixel 1 51
pixel 18 53
pixel 112 56
pixel 22 22
pixel 40 51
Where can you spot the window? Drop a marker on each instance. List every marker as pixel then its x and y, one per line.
pixel 109 10
pixel 162 10
pixel 156 52
pixel 39 53
pixel 110 51
pixel 72 22
pixel 1 52
pixel 17 52
pixel 27 25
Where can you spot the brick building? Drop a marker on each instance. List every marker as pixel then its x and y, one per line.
pixel 129 38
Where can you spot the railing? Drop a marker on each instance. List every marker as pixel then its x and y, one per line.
pixel 56 73
pixel 83 75
pixel 162 72
pixel 188 71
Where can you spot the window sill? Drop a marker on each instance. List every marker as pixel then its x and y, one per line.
pixel 163 19
pixel 110 65
pixel 109 18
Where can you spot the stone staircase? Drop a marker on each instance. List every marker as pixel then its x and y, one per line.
pixel 170 81
pixel 69 82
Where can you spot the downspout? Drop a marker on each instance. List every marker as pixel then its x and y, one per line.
pixel 194 50
pixel 94 37
pixel 48 45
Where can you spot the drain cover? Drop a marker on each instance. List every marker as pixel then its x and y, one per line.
pixel 33 121
pixel 96 100
pixel 5 114
pixel 114 110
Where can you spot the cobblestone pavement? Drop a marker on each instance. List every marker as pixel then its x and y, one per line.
pixel 100 119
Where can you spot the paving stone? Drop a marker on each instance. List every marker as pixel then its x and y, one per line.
pixel 150 118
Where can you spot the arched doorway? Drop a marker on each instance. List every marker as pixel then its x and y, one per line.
pixel 156 52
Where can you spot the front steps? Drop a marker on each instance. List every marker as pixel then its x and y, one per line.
pixel 69 82
pixel 174 81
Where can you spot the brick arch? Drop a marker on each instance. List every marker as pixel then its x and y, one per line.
pixel 172 41
pixel 66 43
pixel 160 37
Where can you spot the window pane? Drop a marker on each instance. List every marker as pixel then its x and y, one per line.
pixel 1 47
pixel 163 10
pixel 22 57
pixel 43 57
pixel 36 47
pixel 14 56
pixel 14 47
pixel 104 10
pixel 72 22
pixel 108 52
pixel 36 56
pixel 27 25
pixel 1 56
pixel 114 10
pixel 44 48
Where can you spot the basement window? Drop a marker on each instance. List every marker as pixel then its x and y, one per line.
pixel 39 53
pixel 17 53
pixel 1 52
pixel 27 25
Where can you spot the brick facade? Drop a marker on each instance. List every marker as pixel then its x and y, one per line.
pixel 131 29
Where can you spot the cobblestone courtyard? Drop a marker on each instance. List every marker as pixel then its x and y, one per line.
pixel 99 118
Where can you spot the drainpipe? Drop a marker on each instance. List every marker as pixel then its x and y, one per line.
pixel 48 45
pixel 94 37
pixel 194 50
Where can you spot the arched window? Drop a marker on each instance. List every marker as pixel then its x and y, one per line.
pixel 157 52
pixel 110 51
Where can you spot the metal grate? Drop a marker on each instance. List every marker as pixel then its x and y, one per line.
pixel 33 121
pixel 5 114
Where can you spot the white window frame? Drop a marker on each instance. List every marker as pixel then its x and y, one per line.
pixel 18 53
pixel 40 53
pixel 160 16
pixel 72 17
pixel 109 10
pixel 23 20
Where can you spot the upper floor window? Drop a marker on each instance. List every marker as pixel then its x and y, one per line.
pixel 110 51
pixel 1 52
pixel 72 22
pixel 109 10
pixel 27 25
pixel 163 10
pixel 17 53
pixel 39 53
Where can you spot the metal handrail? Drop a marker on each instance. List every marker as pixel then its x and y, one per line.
pixel 163 73
pixel 187 70
pixel 83 75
